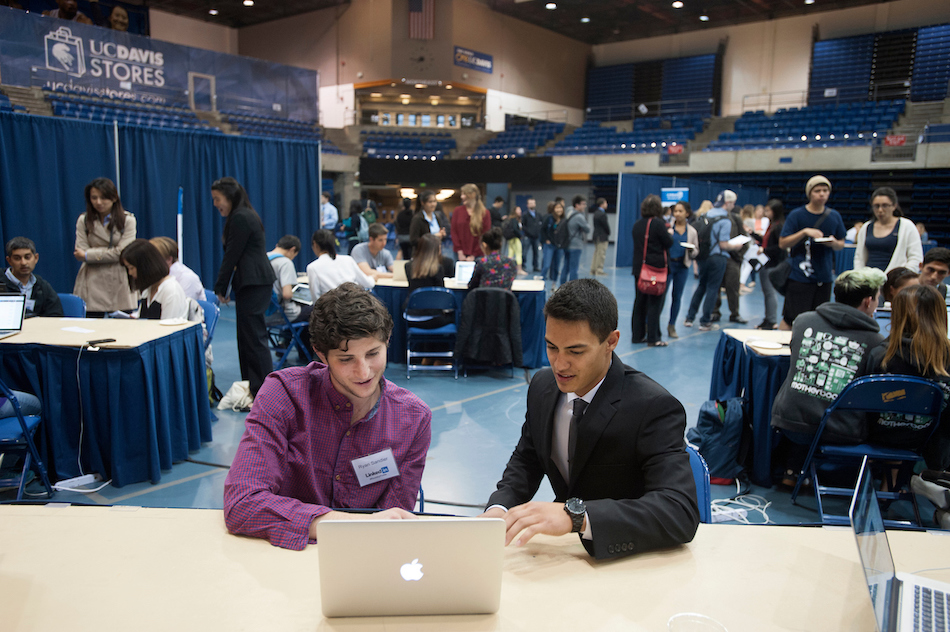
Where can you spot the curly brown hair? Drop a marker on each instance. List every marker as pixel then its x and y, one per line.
pixel 347 312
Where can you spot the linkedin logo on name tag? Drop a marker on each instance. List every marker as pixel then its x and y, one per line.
pixel 375 467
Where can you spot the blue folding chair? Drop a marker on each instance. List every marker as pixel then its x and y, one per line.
pixel 897 394
pixel 212 298
pixel 438 300
pixel 276 335
pixel 701 477
pixel 73 306
pixel 16 439
pixel 212 312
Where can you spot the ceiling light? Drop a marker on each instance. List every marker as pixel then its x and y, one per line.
pixel 405 101
pixel 408 193
pixel 434 101
pixel 213 11
pixel 585 20
pixel 375 95
pixel 678 4
pixel 704 18
pixel 420 85
pixel 550 6
pixel 404 96
pixel 463 98
pixel 809 1
pixel 249 3
pixel 448 86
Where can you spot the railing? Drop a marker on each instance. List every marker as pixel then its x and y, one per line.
pixel 772 101
pixel 554 116
pixel 626 112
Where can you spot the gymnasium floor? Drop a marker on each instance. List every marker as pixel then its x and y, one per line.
pixel 476 420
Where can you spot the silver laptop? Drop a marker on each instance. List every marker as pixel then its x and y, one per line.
pixel 901 601
pixel 410 567
pixel 399 270
pixel 464 271
pixel 12 312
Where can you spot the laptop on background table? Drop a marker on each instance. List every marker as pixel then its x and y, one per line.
pixel 399 271
pixel 12 312
pixel 410 567
pixel 901 601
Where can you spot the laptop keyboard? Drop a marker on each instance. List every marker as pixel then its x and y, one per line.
pixel 931 610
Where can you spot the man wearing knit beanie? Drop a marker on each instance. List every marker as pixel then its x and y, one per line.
pixel 812 233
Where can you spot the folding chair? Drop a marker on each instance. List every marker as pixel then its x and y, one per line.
pixel 898 394
pixel 276 335
pixel 212 312
pixel 212 298
pixel 73 306
pixel 16 439
pixel 435 299
pixel 701 477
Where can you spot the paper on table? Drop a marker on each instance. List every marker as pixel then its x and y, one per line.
pixel 79 330
pixel 739 240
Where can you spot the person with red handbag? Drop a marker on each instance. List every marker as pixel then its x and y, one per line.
pixel 651 241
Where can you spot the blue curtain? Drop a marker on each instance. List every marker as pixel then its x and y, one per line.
pixel 46 163
pixel 634 188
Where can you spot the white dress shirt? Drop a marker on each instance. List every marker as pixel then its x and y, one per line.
pixel 325 273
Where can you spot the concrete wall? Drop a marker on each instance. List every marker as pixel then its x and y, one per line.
pixel 774 56
pixel 177 29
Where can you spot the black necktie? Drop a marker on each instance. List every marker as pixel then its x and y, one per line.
pixel 579 407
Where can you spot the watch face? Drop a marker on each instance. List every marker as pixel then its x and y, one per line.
pixel 575 505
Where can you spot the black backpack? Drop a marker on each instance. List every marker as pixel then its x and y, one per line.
pixel 509 229
pixel 562 234
pixel 703 226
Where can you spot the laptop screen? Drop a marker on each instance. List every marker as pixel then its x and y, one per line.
pixel 464 271
pixel 875 554
pixel 12 307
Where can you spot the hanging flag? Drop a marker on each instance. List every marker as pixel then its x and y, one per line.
pixel 421 19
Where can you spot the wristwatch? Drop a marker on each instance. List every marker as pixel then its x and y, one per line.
pixel 576 509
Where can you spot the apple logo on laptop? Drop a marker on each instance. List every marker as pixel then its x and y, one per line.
pixel 411 572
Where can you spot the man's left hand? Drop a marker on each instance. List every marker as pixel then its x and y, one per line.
pixel 533 518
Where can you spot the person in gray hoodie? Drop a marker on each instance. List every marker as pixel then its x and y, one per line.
pixel 830 347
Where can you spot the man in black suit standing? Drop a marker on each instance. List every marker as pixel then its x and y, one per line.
pixel 601 237
pixel 609 439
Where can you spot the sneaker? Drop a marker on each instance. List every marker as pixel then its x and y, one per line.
pixel 687 323
pixel 936 493
pixel 715 318
pixel 708 327
pixel 735 318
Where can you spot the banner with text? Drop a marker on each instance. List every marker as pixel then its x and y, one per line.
pixel 472 59
pixel 52 53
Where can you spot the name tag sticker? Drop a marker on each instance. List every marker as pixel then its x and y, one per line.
pixel 375 467
pixel 30 304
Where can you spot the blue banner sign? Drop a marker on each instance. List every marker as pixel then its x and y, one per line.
pixel 471 59
pixel 669 196
pixel 59 55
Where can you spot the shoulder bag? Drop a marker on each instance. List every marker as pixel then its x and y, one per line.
pixel 779 274
pixel 652 280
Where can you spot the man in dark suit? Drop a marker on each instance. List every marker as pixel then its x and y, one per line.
pixel 617 462
pixel 601 237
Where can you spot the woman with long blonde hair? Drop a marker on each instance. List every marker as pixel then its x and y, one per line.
pixel 918 346
pixel 470 220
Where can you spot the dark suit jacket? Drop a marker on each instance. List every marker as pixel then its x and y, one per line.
pixel 245 253
pixel 631 466
pixel 601 226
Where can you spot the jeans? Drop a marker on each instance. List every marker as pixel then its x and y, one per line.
pixel 572 260
pixel 532 252
pixel 552 261
pixel 711 272
pixel 678 276
pixel 29 405
pixel 771 298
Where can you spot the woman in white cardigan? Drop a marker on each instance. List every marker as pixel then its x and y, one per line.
pixel 889 240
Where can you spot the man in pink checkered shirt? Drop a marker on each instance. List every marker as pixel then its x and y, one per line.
pixel 328 437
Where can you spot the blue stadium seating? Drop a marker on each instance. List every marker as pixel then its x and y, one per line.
pixel 407 145
pixel 844 125
pixel 931 64
pixel 518 141
pixel 649 135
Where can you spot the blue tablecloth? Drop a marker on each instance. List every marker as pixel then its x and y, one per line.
pixel 740 372
pixel 142 408
pixel 532 323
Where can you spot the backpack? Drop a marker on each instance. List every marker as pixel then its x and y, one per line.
pixel 369 214
pixel 562 234
pixel 703 226
pixel 510 228
pixel 719 436
pixel 362 233
pixel 737 229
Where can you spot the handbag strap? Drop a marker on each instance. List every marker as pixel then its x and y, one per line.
pixel 646 236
